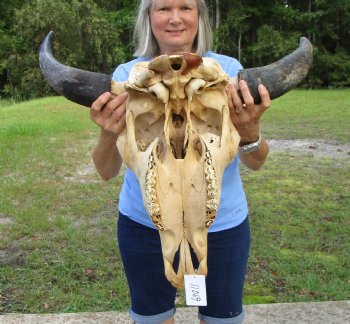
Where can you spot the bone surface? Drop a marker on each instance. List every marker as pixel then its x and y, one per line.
pixel 178 141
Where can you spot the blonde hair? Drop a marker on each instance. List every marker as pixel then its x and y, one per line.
pixel 146 44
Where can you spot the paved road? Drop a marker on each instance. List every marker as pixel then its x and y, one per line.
pixel 298 313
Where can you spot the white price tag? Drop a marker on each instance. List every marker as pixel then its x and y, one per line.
pixel 196 293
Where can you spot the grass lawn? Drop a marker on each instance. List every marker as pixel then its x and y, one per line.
pixel 58 250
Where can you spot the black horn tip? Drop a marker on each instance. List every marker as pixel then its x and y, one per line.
pixel 47 40
pixel 79 86
pixel 281 76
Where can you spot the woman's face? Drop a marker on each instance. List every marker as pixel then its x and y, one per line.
pixel 174 25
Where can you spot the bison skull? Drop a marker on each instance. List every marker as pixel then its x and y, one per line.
pixel 179 137
pixel 178 140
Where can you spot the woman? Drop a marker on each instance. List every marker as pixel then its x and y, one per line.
pixel 172 27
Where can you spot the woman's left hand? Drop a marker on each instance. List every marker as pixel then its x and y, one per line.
pixel 245 114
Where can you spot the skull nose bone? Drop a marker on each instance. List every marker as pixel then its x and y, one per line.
pixel 168 64
pixel 176 62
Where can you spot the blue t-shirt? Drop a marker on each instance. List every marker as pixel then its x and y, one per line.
pixel 233 207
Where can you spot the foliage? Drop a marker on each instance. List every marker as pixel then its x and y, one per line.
pixel 85 37
pixel 97 35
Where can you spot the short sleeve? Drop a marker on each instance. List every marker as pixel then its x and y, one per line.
pixel 120 74
pixel 229 64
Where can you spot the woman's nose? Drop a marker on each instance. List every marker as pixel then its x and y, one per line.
pixel 175 17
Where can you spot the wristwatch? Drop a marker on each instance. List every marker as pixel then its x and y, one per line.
pixel 251 147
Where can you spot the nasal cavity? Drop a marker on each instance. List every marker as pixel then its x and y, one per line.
pixel 177 120
pixel 176 63
pixel 176 67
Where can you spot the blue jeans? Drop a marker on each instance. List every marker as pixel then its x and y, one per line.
pixel 152 296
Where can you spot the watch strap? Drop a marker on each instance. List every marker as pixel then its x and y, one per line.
pixel 251 147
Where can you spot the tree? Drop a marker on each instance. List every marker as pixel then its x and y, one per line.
pixel 83 37
pixel 97 35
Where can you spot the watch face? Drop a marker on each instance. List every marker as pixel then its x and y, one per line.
pixel 250 148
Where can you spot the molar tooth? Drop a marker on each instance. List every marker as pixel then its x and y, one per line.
pixel 151 182
pixel 154 208
pixel 206 169
pixel 151 192
pixel 151 174
pixel 212 187
pixel 212 204
pixel 212 201
pixel 212 194
pixel 208 158
pixel 211 207
pixel 210 177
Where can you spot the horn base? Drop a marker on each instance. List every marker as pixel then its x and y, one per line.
pixel 79 86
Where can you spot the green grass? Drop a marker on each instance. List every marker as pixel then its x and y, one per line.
pixel 309 114
pixel 301 228
pixel 60 252
pixel 58 249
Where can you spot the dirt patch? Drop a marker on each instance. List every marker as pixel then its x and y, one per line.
pixel 96 221
pixel 84 174
pixel 311 147
pixel 12 256
pixel 87 174
pixel 6 220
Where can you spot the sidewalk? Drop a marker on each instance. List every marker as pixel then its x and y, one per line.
pixel 298 313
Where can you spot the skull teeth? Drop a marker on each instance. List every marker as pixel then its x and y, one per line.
pixel 211 194
pixel 151 199
pixel 212 204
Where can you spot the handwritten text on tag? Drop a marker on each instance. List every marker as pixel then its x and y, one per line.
pixel 196 293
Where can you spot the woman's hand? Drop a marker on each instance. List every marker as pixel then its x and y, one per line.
pixel 108 112
pixel 245 116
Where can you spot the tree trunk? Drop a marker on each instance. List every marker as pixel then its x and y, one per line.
pixel 239 45
pixel 309 11
pixel 217 14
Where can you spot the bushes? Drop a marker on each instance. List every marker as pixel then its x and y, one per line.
pixel 97 36
pixel 84 36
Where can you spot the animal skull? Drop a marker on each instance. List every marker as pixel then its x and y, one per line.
pixel 179 137
pixel 178 140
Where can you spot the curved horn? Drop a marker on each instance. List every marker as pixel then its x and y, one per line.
pixel 281 76
pixel 82 87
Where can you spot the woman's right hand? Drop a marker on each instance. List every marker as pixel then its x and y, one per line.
pixel 108 112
